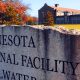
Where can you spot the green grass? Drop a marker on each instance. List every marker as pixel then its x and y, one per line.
pixel 70 26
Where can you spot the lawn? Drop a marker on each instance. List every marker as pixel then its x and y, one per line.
pixel 70 26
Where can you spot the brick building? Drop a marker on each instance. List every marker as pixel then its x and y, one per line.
pixel 61 15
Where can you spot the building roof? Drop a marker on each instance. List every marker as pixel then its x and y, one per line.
pixel 65 9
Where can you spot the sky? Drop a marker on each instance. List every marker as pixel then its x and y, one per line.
pixel 35 5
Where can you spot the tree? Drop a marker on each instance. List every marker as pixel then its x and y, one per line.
pixel 32 20
pixel 48 19
pixel 12 13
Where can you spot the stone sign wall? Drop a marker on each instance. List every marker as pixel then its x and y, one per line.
pixel 28 53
